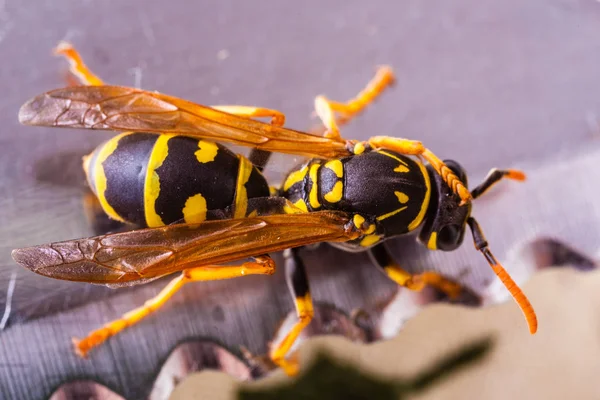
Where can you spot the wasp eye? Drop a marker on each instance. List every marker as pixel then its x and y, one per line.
pixel 449 237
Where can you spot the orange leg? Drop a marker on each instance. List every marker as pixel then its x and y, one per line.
pixel 263 265
pixel 383 259
pixel 298 284
pixel 78 67
pixel 326 108
pixel 418 282
pixel 277 117
pixel 493 177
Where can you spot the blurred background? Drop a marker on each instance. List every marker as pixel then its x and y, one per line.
pixel 494 84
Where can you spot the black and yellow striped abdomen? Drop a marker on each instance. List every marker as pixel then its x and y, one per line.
pixel 382 188
pixel 153 180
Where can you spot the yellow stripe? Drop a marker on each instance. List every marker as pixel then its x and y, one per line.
pixel 301 204
pixel 313 195
pixel 336 193
pixel 295 208
pixel 432 243
pixel 369 240
pixel 208 151
pixel 403 167
pixel 100 177
pixel 241 194
pixel 390 214
pixel 425 204
pixel 336 166
pixel 159 154
pixel 295 177
pixel 195 209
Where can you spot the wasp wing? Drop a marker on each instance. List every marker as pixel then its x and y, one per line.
pixel 138 256
pixel 126 109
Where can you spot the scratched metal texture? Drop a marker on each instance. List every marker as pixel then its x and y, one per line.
pixel 496 83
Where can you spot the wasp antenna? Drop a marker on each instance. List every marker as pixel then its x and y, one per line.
pixel 515 291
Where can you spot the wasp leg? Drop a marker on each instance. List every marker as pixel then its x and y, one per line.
pixel 493 177
pixel 298 285
pixel 263 265
pixel 326 108
pixel 259 158
pixel 416 148
pixel 382 258
pixel 78 67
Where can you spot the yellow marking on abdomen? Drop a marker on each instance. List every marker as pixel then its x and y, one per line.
pixel 403 167
pixel 159 154
pixel 208 151
pixel 100 176
pixel 369 240
pixel 313 195
pixel 195 209
pixel 425 204
pixel 295 177
pixel 336 166
pixel 336 193
pixel 241 194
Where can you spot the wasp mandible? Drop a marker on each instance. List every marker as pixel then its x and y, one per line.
pixel 199 205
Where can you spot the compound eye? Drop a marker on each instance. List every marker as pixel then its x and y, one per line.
pixel 449 237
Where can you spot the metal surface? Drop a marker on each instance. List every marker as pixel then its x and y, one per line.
pixel 503 84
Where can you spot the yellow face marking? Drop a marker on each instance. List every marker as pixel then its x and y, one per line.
pixel 432 243
pixel 370 229
pixel 295 177
pixel 241 194
pixel 403 167
pixel 312 196
pixel 336 166
pixel 358 220
pixel 425 204
pixel 336 193
pixel 369 240
pixel 152 184
pixel 100 177
pixel 208 151
pixel 359 148
pixel 194 210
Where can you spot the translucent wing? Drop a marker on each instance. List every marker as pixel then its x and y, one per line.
pixel 138 256
pixel 127 109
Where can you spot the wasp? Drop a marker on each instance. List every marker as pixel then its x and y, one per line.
pixel 198 205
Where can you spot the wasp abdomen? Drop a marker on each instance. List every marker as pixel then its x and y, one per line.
pixel 153 180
